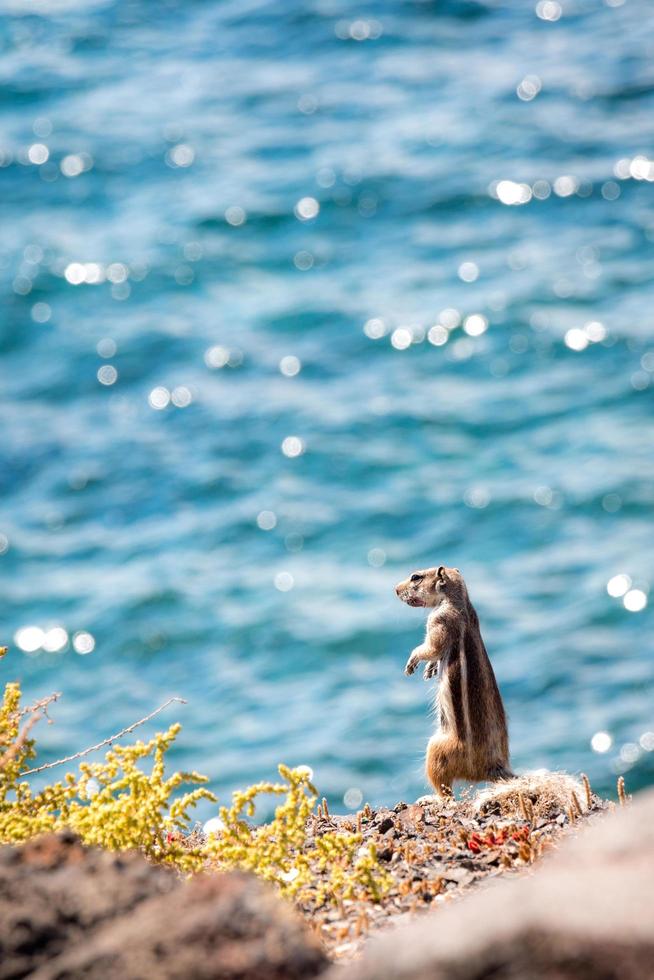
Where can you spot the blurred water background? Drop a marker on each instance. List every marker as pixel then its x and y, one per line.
pixel 298 297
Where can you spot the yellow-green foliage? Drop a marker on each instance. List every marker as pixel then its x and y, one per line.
pixel 334 864
pixel 113 804
pixel 118 805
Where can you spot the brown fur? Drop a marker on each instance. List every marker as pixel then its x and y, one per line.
pixel 472 742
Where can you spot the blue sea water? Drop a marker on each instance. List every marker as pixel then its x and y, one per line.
pixel 273 335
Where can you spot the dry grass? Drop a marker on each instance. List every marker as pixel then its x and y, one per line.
pixel 536 795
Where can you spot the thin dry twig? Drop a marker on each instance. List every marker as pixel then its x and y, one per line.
pixel 523 808
pixel 106 741
pixel 622 796
pixel 36 711
pixel 41 705
pixel 589 795
pixel 16 746
pixel 526 807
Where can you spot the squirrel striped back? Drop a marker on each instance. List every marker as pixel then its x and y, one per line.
pixel 472 740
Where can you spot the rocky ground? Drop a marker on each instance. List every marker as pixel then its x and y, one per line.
pixel 460 907
pixel 438 851
pixel 586 912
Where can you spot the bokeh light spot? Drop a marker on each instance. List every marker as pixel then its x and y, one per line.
pixel 468 271
pixel 635 600
pixel 618 586
pixel 646 741
pixel 216 357
pixel 75 273
pixel 41 312
pixel 375 328
pixel 38 153
pixel 477 497
pixel 303 260
pixel 601 742
pixel 284 581
pixel 213 826
pixel 107 374
pixel 235 216
pixel 376 557
pixel 475 325
pixel 511 193
pixel 75 164
pixel 576 339
pixel 611 502
pixel 307 208
pixel 401 338
pixel 29 639
pixel 106 347
pixel 267 520
pixel 450 318
pixel 548 10
pixel 292 446
pixel 438 335
pixel 55 639
pixel 181 155
pixel 159 398
pixel 353 798
pixel 181 396
pixel 290 365
pixel 529 88
pixel 566 185
pixel 83 642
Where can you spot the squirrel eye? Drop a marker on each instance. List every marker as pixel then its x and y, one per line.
pixel 416 578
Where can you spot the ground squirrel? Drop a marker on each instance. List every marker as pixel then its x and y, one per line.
pixel 472 742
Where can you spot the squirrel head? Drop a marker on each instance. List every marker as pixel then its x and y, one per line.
pixel 432 586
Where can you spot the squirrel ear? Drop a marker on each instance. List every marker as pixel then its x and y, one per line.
pixel 440 574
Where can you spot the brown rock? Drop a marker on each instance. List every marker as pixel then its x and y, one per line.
pixel 385 824
pixel 412 818
pixel 462 876
pixel 585 913
pixel 218 926
pixel 68 911
pixel 53 891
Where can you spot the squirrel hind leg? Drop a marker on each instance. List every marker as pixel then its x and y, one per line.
pixel 445 762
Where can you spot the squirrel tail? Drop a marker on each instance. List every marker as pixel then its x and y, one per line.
pixel 501 772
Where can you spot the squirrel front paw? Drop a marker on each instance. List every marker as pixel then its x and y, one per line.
pixel 431 670
pixel 411 664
